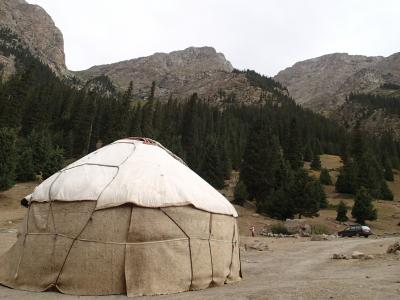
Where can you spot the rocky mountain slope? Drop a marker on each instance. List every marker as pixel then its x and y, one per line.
pixel 179 74
pixel 323 83
pixel 36 31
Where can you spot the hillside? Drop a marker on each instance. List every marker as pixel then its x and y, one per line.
pixel 181 73
pixel 36 31
pixel 322 83
pixel 375 114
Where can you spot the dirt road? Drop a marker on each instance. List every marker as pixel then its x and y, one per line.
pixel 291 269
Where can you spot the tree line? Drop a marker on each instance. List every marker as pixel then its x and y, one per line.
pixel 45 121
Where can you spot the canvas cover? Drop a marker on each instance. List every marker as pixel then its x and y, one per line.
pixel 132 171
pixel 80 250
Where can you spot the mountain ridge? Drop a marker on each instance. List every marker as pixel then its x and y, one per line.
pixel 323 83
pixel 37 32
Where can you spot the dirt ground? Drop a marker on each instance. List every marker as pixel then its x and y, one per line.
pixel 291 268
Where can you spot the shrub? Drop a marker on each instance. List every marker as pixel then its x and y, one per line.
pixel 324 177
pixel 341 212
pixel 319 229
pixel 315 163
pixel 240 193
pixel 363 208
pixel 279 228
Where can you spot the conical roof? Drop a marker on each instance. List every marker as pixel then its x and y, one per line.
pixel 134 170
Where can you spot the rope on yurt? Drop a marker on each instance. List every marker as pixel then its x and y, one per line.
pixel 233 249
pixel 190 247
pixel 26 233
pixel 92 212
pixel 209 245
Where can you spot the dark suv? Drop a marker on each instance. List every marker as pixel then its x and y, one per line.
pixel 355 230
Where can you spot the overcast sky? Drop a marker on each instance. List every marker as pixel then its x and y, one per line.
pixel 265 35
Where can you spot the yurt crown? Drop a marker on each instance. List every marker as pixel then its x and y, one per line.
pixel 149 141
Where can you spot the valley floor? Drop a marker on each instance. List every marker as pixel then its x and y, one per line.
pixel 291 269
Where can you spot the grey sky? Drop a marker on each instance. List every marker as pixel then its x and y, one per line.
pixel 267 36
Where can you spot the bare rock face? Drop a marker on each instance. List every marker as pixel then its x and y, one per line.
pixel 179 74
pixel 375 121
pixel 323 83
pixel 36 30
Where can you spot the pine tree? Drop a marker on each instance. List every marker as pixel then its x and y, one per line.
pixel 8 157
pixel 363 208
pixel 316 163
pixel 318 192
pixel 152 90
pixel 54 162
pixel 293 152
pixel 25 169
pixel 324 177
pixel 260 162
pixel 341 212
pixel 346 180
pixel 388 172
pixel 308 154
pixel 306 194
pixel 240 193
pixel 212 169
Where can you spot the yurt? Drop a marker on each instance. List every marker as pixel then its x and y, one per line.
pixel 130 218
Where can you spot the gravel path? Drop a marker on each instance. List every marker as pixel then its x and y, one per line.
pixel 291 269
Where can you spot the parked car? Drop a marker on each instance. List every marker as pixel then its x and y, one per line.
pixel 355 230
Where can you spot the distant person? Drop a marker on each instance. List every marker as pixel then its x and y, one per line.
pixel 253 231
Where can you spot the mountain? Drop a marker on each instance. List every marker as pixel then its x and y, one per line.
pixel 323 83
pixel 181 73
pixel 36 32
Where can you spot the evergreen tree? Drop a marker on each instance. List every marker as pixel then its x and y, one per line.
pixel 240 193
pixel 345 182
pixel 318 192
pixel 324 177
pixel 388 172
pixel 53 163
pixel 316 163
pixel 306 194
pixel 8 157
pixel 260 162
pixel 147 119
pixel 341 212
pixel 212 169
pixel 363 208
pixel 25 169
pixel 308 154
pixel 293 152
pixel 152 90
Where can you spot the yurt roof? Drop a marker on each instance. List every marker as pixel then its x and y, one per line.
pixel 135 170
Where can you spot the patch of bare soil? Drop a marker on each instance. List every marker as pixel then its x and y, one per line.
pixel 11 212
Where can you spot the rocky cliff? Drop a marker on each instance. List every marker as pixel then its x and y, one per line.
pixel 179 74
pixel 323 83
pixel 36 31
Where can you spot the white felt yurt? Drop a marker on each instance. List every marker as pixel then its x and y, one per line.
pixel 130 218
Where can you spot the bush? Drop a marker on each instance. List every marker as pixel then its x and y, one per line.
pixel 279 228
pixel 315 163
pixel 341 212
pixel 324 177
pixel 240 193
pixel 363 208
pixel 319 229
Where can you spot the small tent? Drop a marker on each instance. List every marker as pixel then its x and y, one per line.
pixel 130 218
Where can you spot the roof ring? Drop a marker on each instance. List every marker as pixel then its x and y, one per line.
pixel 149 141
